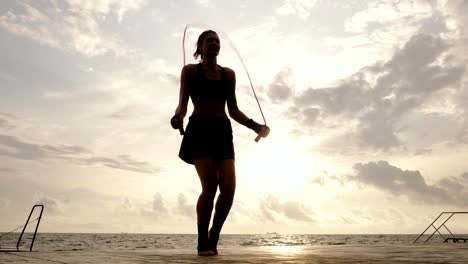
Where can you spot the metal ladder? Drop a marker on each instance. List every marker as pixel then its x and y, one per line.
pixel 452 237
pixel 24 229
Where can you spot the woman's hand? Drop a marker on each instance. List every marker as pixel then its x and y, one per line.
pixel 261 130
pixel 264 131
pixel 177 122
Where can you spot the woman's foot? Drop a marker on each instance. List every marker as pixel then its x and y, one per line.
pixel 213 242
pixel 204 248
pixel 205 253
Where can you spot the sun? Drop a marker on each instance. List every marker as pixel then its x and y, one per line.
pixel 280 166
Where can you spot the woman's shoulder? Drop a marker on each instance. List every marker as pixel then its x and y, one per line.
pixel 190 66
pixel 229 73
pixel 190 69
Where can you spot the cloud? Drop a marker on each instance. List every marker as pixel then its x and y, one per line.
pixel 385 176
pixel 255 43
pixel 119 7
pixel 122 162
pixel 126 205
pixel 267 207
pixel 297 211
pixel 455 12
pixel 78 209
pixel 52 205
pixel 282 87
pixel 6 76
pixel 183 208
pixel 300 8
pixel 421 152
pixel 388 14
pixel 409 184
pixel 158 205
pixel 204 3
pixel 7 170
pixel 23 188
pixel 347 98
pixel 18 190
pixel 4 202
pixel 86 196
pixel 324 177
pixel 371 105
pixel 11 146
pixel 5 121
pixel 71 25
pixel 240 210
pixel 291 209
pixel 5 124
pixel 460 98
pixel 373 32
pixel 128 111
pixel 464 176
pixel 454 184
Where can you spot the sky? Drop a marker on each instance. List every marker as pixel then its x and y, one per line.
pixel 366 101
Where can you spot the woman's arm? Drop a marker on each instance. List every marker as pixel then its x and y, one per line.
pixel 177 121
pixel 236 114
pixel 181 109
pixel 233 109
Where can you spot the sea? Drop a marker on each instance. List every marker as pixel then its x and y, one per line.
pixel 359 247
pixel 128 241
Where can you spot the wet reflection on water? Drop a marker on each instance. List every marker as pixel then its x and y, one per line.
pixel 287 250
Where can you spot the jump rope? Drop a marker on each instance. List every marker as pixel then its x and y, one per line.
pixel 231 44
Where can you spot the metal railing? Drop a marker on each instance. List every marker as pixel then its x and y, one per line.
pixel 38 219
pixel 452 237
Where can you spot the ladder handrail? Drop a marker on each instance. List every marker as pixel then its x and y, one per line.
pixel 27 222
pixel 26 225
pixel 449 231
pixel 432 224
pixel 437 229
pixel 441 225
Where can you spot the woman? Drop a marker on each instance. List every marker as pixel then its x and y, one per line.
pixel 208 143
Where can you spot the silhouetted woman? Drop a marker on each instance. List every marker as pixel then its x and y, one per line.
pixel 208 140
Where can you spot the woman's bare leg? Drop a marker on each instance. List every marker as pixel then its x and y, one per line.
pixel 227 187
pixel 208 174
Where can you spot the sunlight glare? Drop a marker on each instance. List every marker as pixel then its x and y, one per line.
pixel 284 168
pixel 287 250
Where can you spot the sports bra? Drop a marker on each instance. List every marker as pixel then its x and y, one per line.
pixel 204 89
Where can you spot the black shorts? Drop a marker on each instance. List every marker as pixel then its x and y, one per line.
pixel 209 137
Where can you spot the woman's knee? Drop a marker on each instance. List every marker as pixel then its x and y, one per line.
pixel 209 191
pixel 227 189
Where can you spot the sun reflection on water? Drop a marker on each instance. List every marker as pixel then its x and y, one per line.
pixel 287 250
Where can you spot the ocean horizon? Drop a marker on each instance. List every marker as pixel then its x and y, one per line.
pixel 132 241
pixel 234 248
